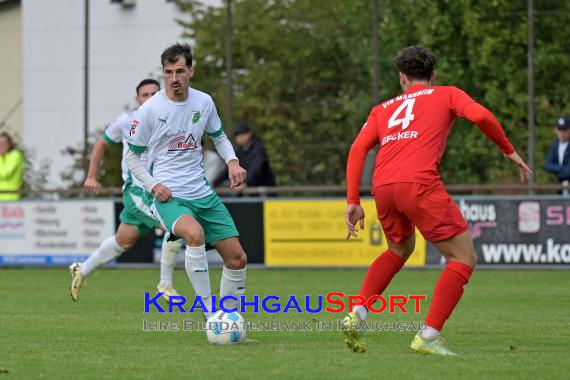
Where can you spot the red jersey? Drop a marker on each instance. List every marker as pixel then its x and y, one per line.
pixel 411 130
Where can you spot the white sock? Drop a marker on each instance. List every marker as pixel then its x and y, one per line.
pixel 362 312
pixel 196 265
pixel 232 284
pixel 429 333
pixel 107 251
pixel 170 250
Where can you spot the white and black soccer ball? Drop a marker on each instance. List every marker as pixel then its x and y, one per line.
pixel 226 328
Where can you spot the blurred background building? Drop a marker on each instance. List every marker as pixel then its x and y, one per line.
pixel 45 90
pixel 11 67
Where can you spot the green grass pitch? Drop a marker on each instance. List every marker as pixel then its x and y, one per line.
pixel 510 324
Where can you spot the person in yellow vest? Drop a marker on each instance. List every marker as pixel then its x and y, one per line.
pixel 11 168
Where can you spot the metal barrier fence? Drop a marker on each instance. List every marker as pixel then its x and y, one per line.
pixel 468 189
pixel 531 231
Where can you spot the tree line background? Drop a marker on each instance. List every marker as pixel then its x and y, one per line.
pixel 302 77
pixel 302 74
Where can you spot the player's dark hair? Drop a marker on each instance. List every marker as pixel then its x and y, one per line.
pixel 144 82
pixel 10 141
pixel 172 53
pixel 416 62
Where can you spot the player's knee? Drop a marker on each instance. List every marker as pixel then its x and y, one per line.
pixel 194 236
pixel 403 252
pixel 237 261
pixel 408 252
pixel 470 258
pixel 467 257
pixel 126 243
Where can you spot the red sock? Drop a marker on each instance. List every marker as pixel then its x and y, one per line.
pixel 380 273
pixel 447 292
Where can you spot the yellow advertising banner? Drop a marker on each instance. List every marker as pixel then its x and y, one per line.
pixel 313 232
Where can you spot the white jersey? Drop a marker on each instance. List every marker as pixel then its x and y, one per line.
pixel 118 132
pixel 171 133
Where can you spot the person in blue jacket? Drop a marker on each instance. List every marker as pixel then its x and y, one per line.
pixel 558 159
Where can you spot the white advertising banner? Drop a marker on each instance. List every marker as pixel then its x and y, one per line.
pixel 53 232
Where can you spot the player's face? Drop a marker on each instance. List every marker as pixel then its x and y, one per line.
pixel 177 77
pixel 4 145
pixel 145 92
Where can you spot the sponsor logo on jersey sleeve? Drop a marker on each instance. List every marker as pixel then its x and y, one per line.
pixel 134 126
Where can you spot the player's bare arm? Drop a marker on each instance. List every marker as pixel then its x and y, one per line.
pixel 367 138
pixel 91 184
pixel 525 173
pixel 161 192
pixel 241 188
pixel 236 173
pixel 354 214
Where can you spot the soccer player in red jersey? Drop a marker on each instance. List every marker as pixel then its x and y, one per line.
pixel 411 130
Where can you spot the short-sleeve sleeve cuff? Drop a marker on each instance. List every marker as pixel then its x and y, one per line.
pixel 108 139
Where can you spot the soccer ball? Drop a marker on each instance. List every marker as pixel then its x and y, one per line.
pixel 225 328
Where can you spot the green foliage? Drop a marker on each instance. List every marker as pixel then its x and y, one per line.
pixel 35 171
pixel 302 75
pixel 298 81
pixel 109 174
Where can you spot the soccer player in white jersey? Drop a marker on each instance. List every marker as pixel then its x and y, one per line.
pixel 169 127
pixel 136 218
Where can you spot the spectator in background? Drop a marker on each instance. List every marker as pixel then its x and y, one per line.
pixel 253 158
pixel 558 159
pixel 11 168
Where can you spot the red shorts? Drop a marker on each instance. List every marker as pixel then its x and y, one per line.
pixel 402 206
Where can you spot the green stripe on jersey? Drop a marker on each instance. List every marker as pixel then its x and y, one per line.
pixel 219 132
pixel 108 139
pixel 136 148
